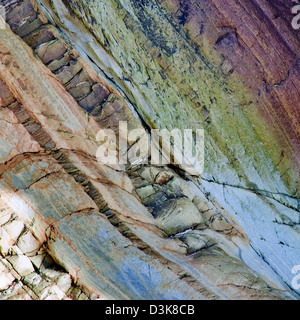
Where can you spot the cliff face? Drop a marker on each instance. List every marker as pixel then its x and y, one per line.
pixel 71 68
pixel 216 65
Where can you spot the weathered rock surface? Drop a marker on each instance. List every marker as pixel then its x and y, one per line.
pixel 74 228
pixel 178 215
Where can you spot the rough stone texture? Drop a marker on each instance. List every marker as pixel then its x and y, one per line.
pixel 74 228
pixel 178 215
pixel 173 73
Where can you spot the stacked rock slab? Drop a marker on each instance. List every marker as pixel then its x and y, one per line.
pixel 73 228
pixel 229 67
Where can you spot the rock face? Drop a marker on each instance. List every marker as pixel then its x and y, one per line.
pixel 72 227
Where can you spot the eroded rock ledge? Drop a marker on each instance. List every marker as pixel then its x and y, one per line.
pixel 72 228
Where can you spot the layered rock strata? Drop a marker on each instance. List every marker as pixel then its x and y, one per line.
pixel 74 228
